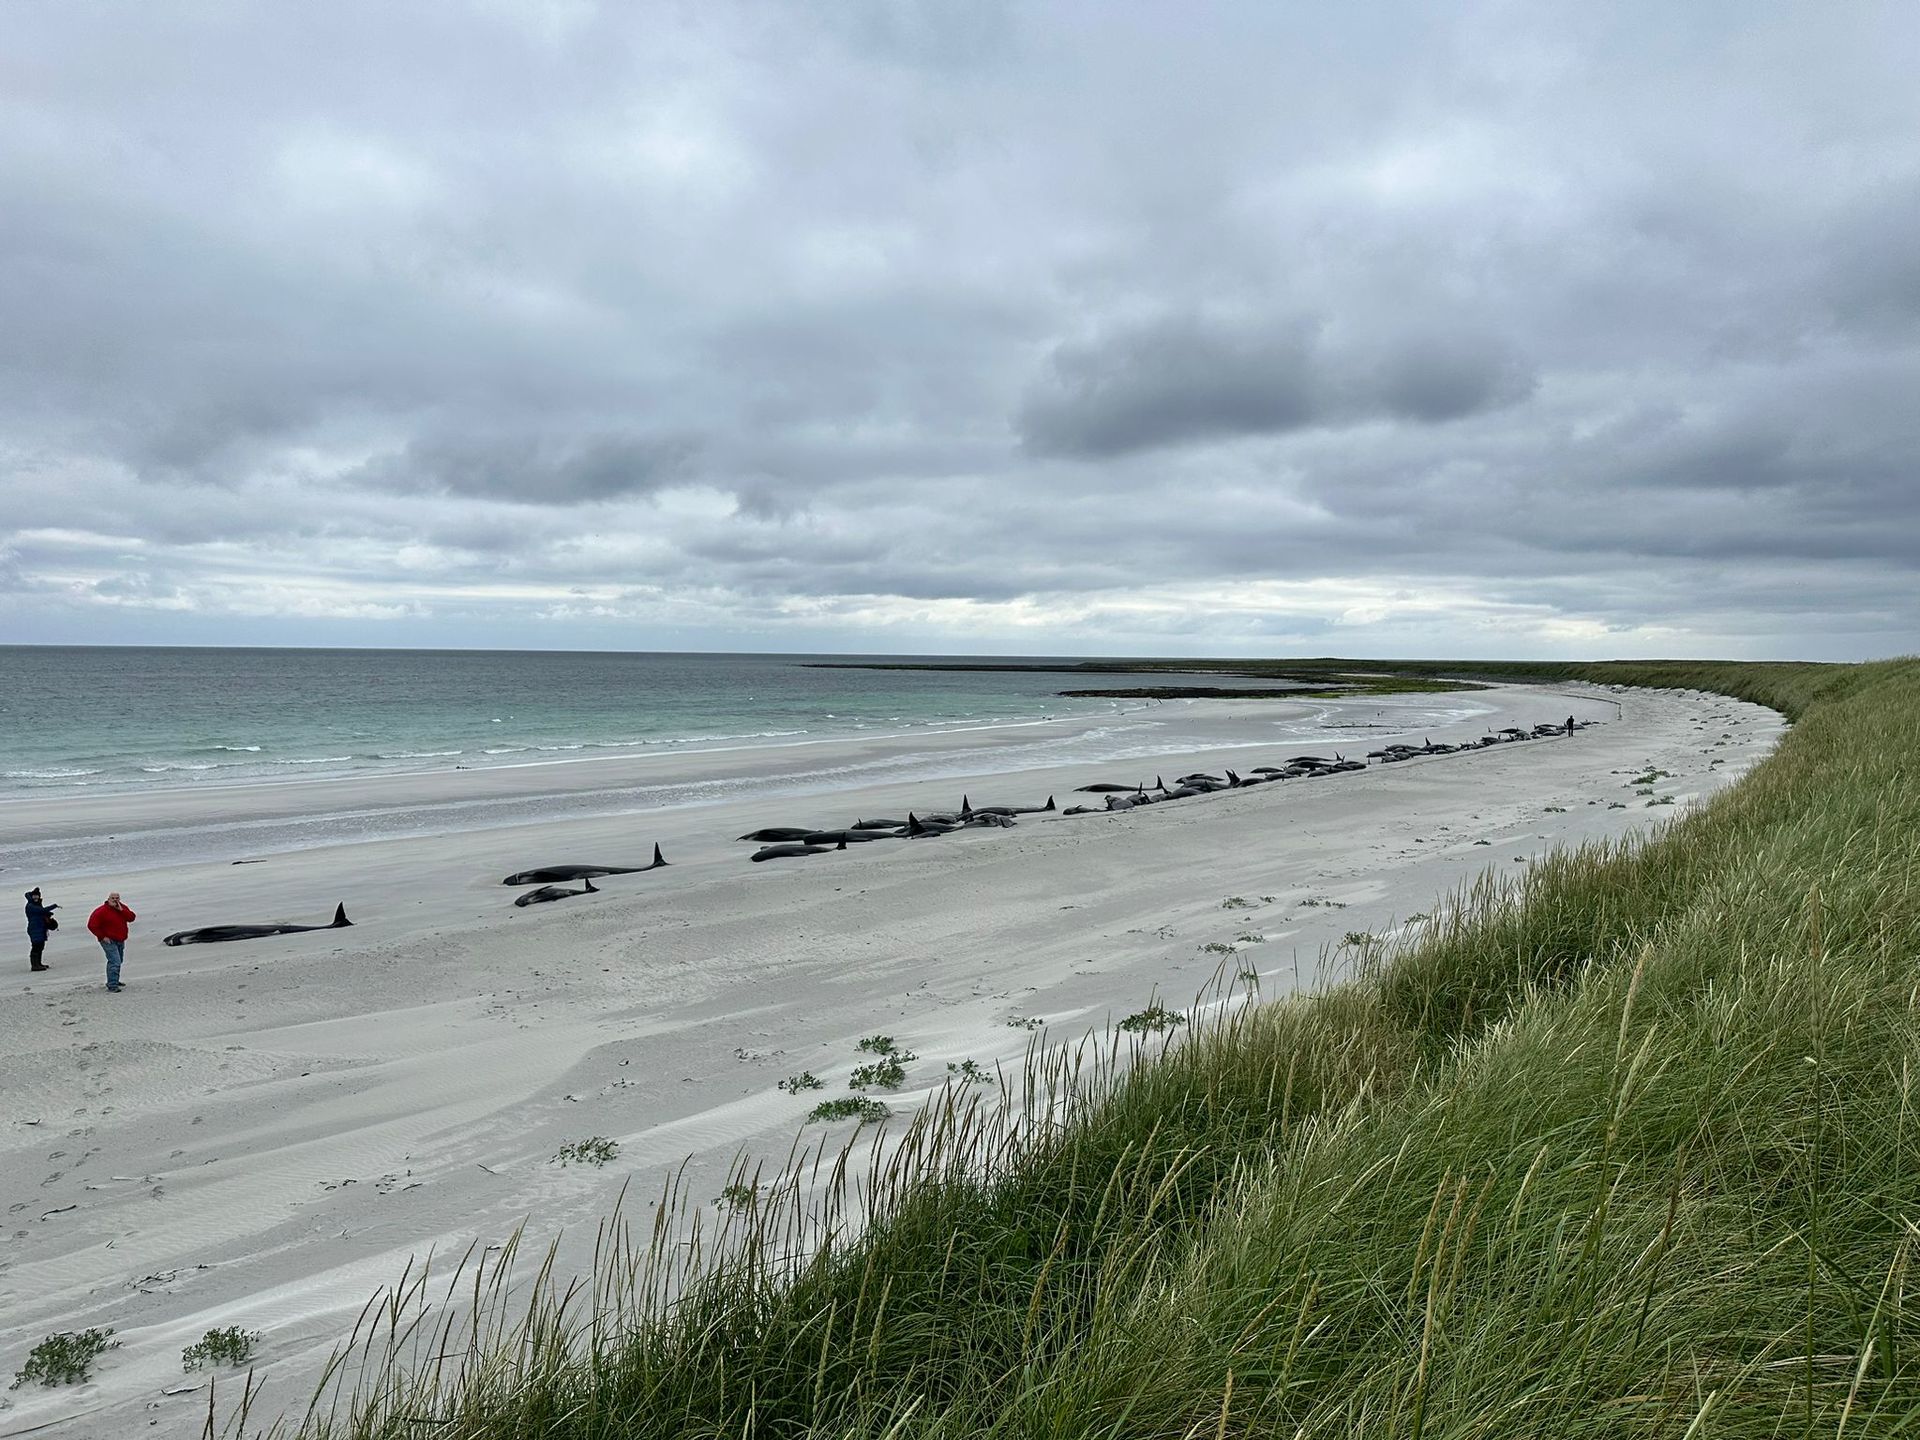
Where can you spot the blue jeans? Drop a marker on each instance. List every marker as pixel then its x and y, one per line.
pixel 116 952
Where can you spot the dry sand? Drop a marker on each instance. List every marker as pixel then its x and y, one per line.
pixel 264 1134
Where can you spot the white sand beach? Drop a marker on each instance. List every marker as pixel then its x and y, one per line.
pixel 263 1134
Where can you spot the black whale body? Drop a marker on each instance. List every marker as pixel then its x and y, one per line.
pixel 581 872
pixel 782 852
pixel 554 892
pixel 214 934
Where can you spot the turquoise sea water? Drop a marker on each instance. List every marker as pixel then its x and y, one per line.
pixel 87 719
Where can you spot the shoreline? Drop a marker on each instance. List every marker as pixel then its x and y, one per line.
pixel 668 746
pixel 80 834
pixel 262 1134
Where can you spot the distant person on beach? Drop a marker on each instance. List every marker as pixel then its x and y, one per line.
pixel 1569 724
pixel 109 926
pixel 39 921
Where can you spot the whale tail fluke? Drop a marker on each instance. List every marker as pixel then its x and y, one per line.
pixel 659 860
pixel 340 916
pixel 1235 779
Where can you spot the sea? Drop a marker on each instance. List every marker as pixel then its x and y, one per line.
pixel 76 719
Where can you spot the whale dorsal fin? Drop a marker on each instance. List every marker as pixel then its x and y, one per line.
pixel 340 916
pixel 1049 805
pixel 591 889
pixel 658 858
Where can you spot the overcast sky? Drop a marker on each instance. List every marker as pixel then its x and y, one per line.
pixel 1275 328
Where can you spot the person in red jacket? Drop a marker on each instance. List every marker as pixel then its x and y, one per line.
pixel 109 926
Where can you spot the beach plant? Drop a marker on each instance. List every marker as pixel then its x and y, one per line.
pixel 850 1107
pixel 64 1358
pixel 887 1074
pixel 1155 1018
pixel 1356 939
pixel 1236 902
pixel 1216 947
pixel 229 1346
pixel 969 1072
pixel 1247 937
pixel 876 1045
pixel 737 1196
pixel 1025 1022
pixel 596 1151
pixel 805 1080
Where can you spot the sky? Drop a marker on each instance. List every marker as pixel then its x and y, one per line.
pixel 947 326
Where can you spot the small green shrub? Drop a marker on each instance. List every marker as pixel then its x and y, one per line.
pixel 1358 939
pixel 231 1347
pixel 850 1107
pixel 65 1358
pixel 1249 938
pixel 887 1074
pixel 1025 1022
pixel 1216 947
pixel 876 1045
pixel 596 1151
pixel 1155 1018
pixel 1236 902
pixel 968 1072
pixel 737 1196
pixel 805 1080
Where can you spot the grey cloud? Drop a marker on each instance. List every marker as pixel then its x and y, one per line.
pixel 540 470
pixel 1187 379
pixel 1437 377
pixel 1170 381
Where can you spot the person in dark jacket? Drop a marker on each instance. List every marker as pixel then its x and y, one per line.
pixel 39 922
pixel 109 926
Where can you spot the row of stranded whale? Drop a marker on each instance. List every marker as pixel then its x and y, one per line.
pixel 787 842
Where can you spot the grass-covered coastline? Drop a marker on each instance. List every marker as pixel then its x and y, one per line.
pixel 1624 1148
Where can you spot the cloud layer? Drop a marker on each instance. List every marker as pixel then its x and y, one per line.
pixel 963 327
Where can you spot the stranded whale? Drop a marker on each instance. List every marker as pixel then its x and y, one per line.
pixel 554 892
pixel 212 934
pixel 582 872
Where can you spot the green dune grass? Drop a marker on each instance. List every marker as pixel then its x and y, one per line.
pixel 1625 1146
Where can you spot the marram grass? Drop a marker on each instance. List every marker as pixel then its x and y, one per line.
pixel 1624 1147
